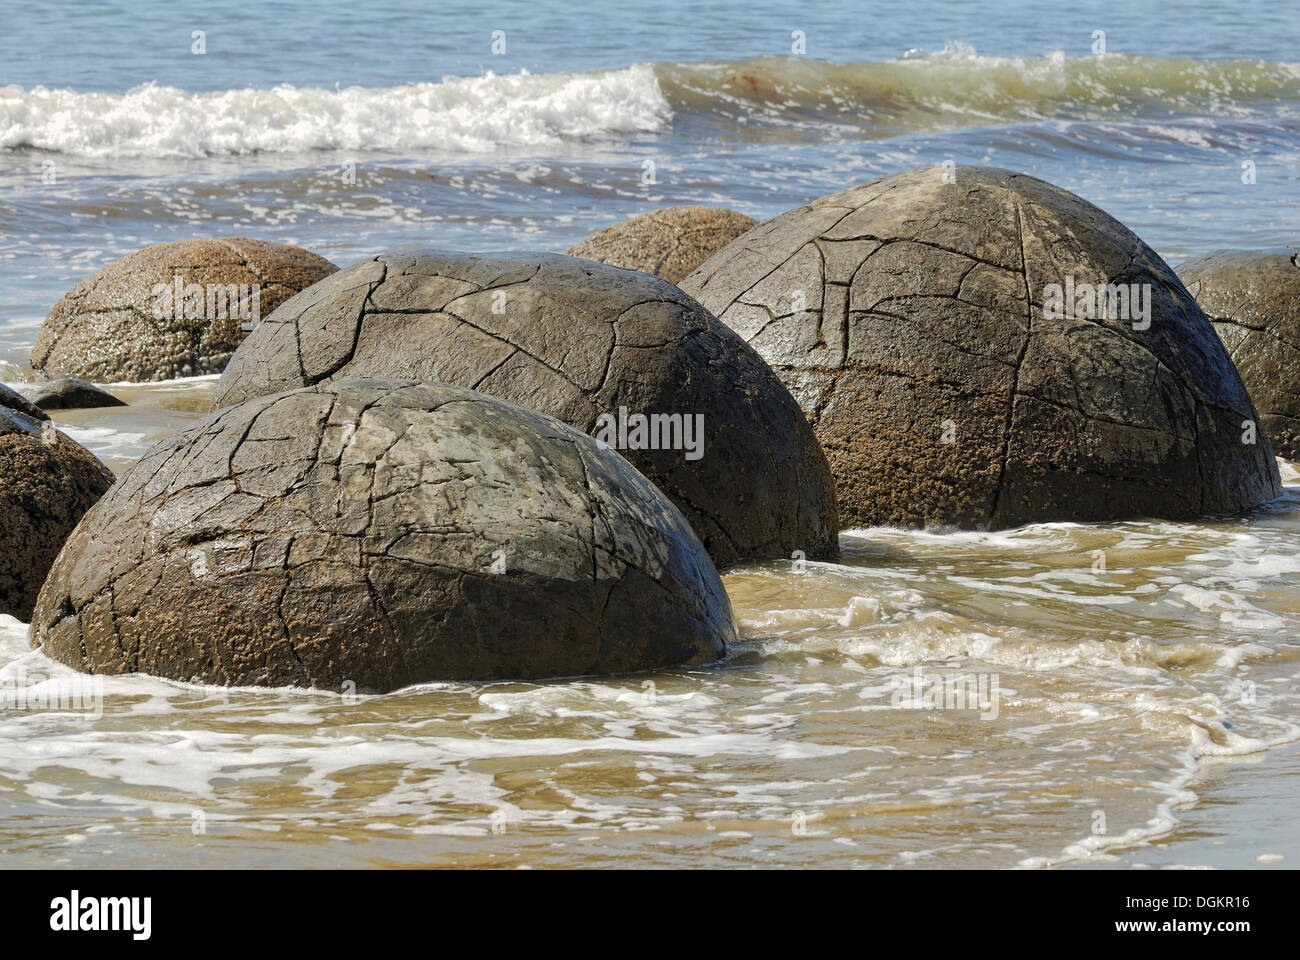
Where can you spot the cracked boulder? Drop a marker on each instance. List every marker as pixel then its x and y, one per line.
pixel 381 533
pixel 949 344
pixel 47 482
pixel 595 346
pixel 170 310
pixel 667 243
pixel 1253 300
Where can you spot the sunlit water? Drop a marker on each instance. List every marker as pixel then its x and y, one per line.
pixel 1141 680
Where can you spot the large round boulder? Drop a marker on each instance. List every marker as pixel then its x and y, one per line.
pixel 667 243
pixel 381 533
pixel 978 348
pixel 47 482
pixel 1253 300
pixel 613 353
pixel 170 310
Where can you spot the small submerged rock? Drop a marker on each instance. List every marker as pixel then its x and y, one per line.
pixel 47 482
pixel 942 330
pixel 170 310
pixel 667 243
pixel 381 534
pixel 611 352
pixel 71 393
pixel 1253 300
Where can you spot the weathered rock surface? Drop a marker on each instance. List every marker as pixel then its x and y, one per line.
pixel 1253 300
pixel 47 482
pixel 578 341
pixel 71 393
pixel 118 325
pixel 667 243
pixel 383 533
pixel 911 318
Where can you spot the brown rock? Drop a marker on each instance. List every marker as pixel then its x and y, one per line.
pixel 47 482
pixel 579 341
pixel 667 243
pixel 126 323
pixel 384 533
pixel 916 321
pixel 1253 300
pixel 16 401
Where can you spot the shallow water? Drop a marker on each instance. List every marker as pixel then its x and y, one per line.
pixel 1127 711
pixel 1085 705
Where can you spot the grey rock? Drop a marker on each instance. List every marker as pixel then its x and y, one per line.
pixel 384 533
pixel 70 393
pixel 47 482
pixel 909 311
pixel 1253 300
pixel 108 328
pixel 579 341
pixel 667 243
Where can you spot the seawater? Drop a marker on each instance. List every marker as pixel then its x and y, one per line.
pixel 1146 674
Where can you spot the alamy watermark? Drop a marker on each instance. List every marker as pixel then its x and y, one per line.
pixel 1101 301
pixel 948 691
pixel 654 431
pixel 79 694
pixel 76 913
pixel 212 301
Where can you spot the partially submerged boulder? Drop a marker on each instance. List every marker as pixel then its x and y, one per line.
pixel 667 243
pixel 71 393
pixel 171 310
pixel 1253 300
pixel 47 482
pixel 381 534
pixel 611 352
pixel 942 330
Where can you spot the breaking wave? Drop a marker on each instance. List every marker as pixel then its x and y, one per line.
pixel 950 89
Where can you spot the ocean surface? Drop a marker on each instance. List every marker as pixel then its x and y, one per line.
pixel 1145 713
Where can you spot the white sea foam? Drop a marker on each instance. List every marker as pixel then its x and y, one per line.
pixel 473 114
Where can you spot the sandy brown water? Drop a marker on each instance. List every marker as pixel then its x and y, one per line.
pixel 1104 702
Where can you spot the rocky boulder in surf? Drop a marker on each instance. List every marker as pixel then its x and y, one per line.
pixel 47 482
pixel 667 243
pixel 71 393
pixel 613 353
pixel 383 533
pixel 1253 300
pixel 979 348
pixel 171 310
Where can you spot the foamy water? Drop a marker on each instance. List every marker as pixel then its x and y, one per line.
pixel 458 114
pixel 951 89
pixel 1087 676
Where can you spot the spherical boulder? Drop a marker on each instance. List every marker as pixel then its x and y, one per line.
pixel 611 352
pixel 1253 300
pixel 667 243
pixel 47 482
pixel 978 348
pixel 170 310
pixel 381 533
